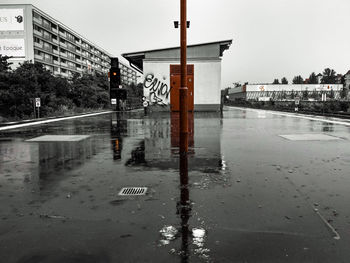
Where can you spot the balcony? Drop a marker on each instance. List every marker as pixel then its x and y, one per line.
pixel 77 42
pixel 49 60
pixel 79 69
pixel 78 60
pixel 64 64
pixel 39 45
pixel 64 55
pixel 71 39
pixel 47 37
pixel 47 48
pixel 54 30
pixel 55 51
pixel 54 40
pixel 63 44
pixel 47 26
pixel 63 34
pixel 72 67
pixel 37 20
pixel 36 56
pixel 78 51
pixel 56 62
pixel 71 48
pixel 38 33
pixel 64 74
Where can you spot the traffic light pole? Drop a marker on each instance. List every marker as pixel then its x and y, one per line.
pixel 183 88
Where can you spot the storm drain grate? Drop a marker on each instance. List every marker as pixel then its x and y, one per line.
pixel 133 191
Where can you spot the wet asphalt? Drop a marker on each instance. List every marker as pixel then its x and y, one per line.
pixel 253 196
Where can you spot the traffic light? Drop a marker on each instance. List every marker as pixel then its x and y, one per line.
pixel 114 74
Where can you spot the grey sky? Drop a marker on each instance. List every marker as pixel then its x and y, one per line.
pixel 272 38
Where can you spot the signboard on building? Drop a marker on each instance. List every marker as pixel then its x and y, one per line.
pixel 14 47
pixel 113 101
pixel 11 20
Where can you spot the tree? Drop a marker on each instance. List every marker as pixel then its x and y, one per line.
pixel 284 81
pixel 298 80
pixel 276 81
pixel 329 76
pixel 305 94
pixel 313 78
pixel 4 64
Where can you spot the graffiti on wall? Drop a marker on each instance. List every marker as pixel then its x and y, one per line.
pixel 158 90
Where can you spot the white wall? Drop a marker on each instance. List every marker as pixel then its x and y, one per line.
pixel 207 79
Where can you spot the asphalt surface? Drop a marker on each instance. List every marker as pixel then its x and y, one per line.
pixel 254 196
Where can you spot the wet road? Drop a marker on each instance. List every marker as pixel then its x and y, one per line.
pixel 253 196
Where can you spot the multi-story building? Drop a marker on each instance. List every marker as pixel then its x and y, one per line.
pixel 29 34
pixel 128 75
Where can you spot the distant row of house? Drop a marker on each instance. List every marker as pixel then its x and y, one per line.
pixel 280 92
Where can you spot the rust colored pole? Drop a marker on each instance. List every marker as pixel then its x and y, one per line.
pixel 183 87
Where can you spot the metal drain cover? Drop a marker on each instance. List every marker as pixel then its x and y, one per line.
pixel 133 191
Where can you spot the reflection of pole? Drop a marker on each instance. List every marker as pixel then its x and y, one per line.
pixel 183 89
pixel 185 206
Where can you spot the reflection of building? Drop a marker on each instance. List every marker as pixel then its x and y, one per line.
pixel 54 156
pixel 161 142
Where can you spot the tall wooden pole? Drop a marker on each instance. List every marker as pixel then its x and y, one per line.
pixel 183 89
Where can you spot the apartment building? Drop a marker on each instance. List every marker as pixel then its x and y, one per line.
pixel 27 33
pixel 128 75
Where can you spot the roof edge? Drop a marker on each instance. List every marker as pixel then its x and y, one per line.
pixel 222 42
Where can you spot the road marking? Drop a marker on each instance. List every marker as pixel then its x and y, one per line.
pixel 300 116
pixel 59 138
pixel 51 120
pixel 330 227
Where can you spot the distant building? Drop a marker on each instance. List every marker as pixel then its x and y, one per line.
pixel 319 77
pixel 29 34
pixel 285 92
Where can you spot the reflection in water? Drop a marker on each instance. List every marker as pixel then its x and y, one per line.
pixel 119 128
pixel 162 141
pixel 191 240
pixel 137 155
pixel 327 127
pixel 175 126
pixel 184 207
pixel 54 156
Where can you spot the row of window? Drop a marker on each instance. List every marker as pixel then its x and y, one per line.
pixel 62 32
pixel 66 44
pixel 65 53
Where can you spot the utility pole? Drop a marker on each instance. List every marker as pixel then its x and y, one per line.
pixel 183 88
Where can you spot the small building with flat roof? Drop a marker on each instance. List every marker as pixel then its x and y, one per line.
pixel 161 70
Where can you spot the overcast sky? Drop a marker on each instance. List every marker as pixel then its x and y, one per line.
pixel 271 38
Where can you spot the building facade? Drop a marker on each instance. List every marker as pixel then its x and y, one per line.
pixel 280 92
pixel 161 71
pixel 29 34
